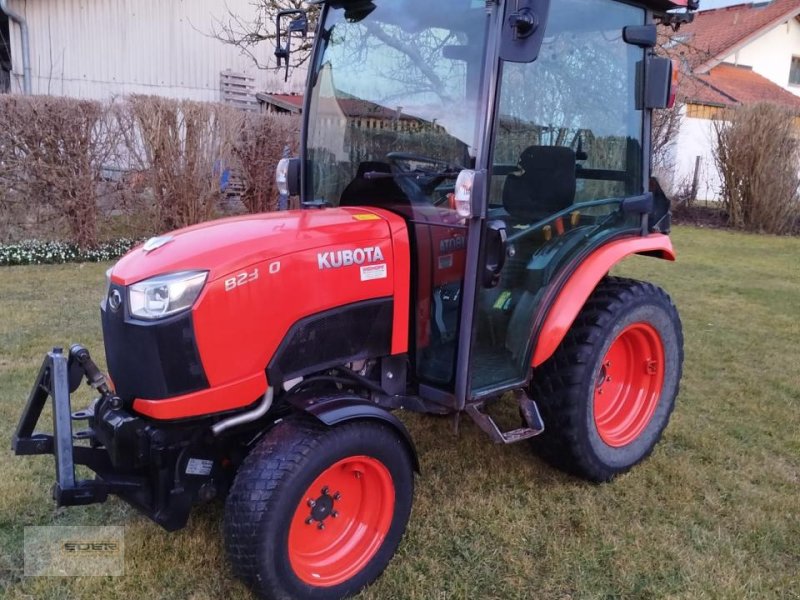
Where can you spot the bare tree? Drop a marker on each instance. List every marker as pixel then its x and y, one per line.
pixel 249 34
pixel 666 124
pixel 757 152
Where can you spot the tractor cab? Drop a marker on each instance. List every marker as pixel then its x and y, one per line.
pixel 513 139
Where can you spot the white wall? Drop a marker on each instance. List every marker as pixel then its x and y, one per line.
pixel 771 54
pixel 695 138
pixel 101 48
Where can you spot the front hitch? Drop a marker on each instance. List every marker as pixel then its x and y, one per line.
pixel 58 377
pixel 159 470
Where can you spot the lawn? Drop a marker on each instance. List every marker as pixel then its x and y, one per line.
pixel 714 513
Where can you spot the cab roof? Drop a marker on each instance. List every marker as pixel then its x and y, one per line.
pixel 670 4
pixel 651 4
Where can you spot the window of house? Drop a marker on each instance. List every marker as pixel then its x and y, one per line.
pixel 794 73
pixel 5 55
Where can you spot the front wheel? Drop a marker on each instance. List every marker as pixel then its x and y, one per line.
pixel 318 512
pixel 608 392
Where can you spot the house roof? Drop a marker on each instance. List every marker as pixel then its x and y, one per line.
pixel 728 85
pixel 718 33
pixel 289 102
pixel 352 107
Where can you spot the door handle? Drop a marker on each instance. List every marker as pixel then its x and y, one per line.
pixel 496 253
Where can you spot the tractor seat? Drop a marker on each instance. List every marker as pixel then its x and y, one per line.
pixel 544 184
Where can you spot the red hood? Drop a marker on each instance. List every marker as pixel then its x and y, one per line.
pixel 229 245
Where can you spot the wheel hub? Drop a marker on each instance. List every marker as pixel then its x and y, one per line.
pixel 322 508
pixel 628 385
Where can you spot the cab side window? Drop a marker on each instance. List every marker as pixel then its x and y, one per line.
pixel 573 109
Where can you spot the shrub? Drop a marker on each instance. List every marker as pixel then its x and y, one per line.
pixel 181 150
pixel 85 171
pixel 758 156
pixel 51 153
pixel 259 147
pixel 38 252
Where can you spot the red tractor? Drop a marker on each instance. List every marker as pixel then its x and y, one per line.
pixel 470 172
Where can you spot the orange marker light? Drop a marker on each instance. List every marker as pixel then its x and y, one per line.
pixel 673 89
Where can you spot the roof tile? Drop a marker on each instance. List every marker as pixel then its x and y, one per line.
pixel 728 85
pixel 716 33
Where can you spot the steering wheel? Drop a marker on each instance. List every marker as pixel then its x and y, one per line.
pixel 395 158
pixel 426 181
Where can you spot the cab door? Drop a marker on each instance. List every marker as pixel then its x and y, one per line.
pixel 567 151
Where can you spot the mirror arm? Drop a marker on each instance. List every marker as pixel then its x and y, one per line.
pixel 298 24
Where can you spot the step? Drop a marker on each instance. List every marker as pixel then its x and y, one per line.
pixel 528 410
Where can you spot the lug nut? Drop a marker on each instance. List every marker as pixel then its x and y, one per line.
pixel 337 496
pixel 321 526
pixel 309 521
pixel 325 491
pixel 312 503
pixel 335 514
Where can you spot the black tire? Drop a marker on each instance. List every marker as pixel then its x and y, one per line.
pixel 565 386
pixel 270 491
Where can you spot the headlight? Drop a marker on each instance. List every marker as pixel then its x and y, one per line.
pixel 165 295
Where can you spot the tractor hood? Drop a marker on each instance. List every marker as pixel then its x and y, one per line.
pixel 229 245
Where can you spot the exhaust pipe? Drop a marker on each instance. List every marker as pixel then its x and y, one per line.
pixel 247 417
pixel 26 46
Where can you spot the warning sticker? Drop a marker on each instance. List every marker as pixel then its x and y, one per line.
pixel 366 217
pixel 372 272
pixel 198 466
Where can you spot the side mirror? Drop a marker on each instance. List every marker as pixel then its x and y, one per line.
pixel 358 11
pixel 644 36
pixel 661 83
pixel 523 30
pixel 298 25
pixel 496 252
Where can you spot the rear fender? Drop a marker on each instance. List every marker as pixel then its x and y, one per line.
pixel 580 285
pixel 341 408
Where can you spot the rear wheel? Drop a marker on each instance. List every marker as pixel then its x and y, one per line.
pixel 608 392
pixel 318 512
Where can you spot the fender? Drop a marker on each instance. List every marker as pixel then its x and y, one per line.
pixel 341 408
pixel 584 280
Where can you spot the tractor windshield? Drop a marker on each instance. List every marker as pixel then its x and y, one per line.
pixel 395 100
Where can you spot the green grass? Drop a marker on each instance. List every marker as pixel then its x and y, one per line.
pixel 714 513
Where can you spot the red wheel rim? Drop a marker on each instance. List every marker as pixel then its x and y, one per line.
pixel 628 385
pixel 341 521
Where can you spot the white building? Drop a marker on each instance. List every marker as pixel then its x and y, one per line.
pixel 741 54
pixel 103 48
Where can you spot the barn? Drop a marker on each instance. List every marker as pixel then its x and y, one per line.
pixel 99 49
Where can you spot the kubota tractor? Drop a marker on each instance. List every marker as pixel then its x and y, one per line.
pixel 470 172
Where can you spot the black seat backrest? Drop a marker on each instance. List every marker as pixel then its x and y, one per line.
pixel 544 185
pixel 383 193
